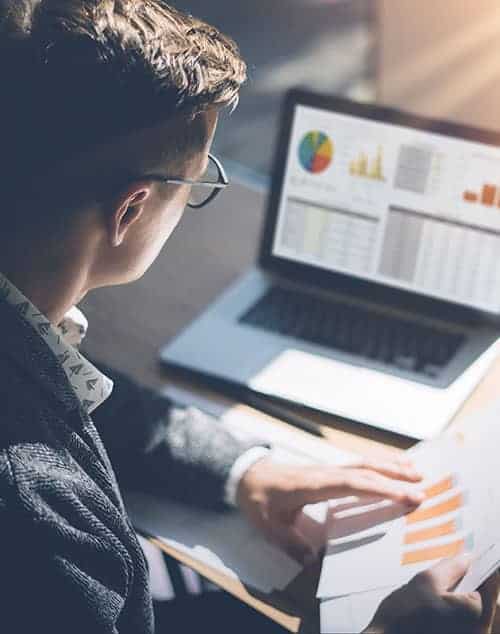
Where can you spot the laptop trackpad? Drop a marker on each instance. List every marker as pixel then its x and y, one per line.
pixel 365 395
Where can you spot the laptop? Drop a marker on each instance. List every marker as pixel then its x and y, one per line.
pixel 376 296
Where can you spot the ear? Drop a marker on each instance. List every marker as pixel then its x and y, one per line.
pixel 127 208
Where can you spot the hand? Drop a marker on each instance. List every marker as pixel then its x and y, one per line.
pixel 272 495
pixel 426 604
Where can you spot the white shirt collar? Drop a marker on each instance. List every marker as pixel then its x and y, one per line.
pixel 91 386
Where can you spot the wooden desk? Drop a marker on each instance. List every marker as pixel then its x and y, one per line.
pixel 128 324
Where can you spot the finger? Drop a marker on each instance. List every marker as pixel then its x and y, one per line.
pixel 397 470
pixel 445 575
pixel 355 482
pixel 294 543
pixel 489 594
pixel 466 608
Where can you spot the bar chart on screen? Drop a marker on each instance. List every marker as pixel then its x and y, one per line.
pixel 368 166
pixel 488 195
pixel 478 191
pixel 365 169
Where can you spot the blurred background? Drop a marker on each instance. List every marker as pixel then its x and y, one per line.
pixel 440 58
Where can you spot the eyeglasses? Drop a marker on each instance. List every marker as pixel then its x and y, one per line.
pixel 214 178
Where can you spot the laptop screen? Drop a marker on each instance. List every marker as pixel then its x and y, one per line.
pixel 392 204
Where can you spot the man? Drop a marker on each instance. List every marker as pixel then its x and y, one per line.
pixel 108 112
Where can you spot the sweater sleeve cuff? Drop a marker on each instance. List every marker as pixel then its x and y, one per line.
pixel 238 470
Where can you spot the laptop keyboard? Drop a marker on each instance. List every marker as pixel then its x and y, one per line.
pixel 356 330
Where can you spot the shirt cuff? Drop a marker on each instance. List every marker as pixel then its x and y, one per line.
pixel 238 470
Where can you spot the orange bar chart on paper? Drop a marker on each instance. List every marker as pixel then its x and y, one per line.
pixel 453 503
pixel 442 486
pixel 432 553
pixel 444 532
pixel 432 532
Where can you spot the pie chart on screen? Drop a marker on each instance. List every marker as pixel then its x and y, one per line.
pixel 316 152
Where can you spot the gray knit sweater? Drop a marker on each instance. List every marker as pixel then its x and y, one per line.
pixel 69 558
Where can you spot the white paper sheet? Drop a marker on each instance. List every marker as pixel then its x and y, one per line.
pixel 224 542
pixel 351 613
pixel 465 464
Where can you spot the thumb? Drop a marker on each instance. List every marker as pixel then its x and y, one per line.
pixel 489 595
pixel 447 573
pixel 294 543
pixel 467 608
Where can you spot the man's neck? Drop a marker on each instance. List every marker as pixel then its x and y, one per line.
pixel 52 292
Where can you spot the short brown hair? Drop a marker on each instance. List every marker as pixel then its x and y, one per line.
pixel 77 73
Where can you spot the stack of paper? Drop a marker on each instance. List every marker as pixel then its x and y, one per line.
pixel 372 550
pixel 224 542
